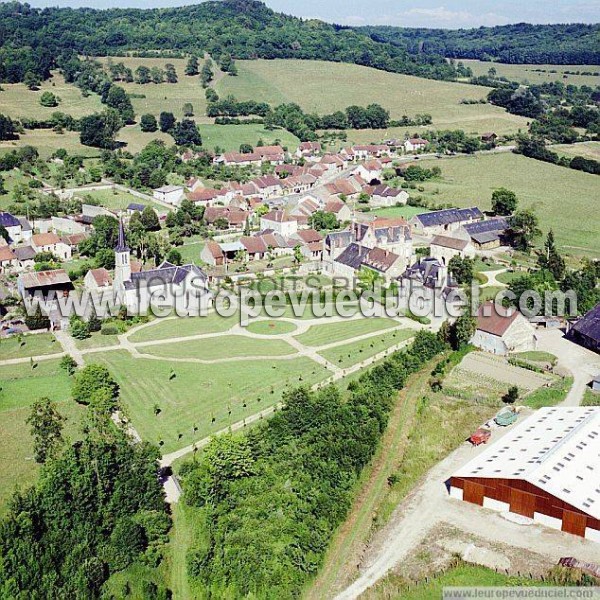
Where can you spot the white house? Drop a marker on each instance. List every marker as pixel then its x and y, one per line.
pixel 415 144
pixel 50 242
pixel 97 279
pixel 503 331
pixel 279 222
pixel 12 225
pixel 444 248
pixel 171 194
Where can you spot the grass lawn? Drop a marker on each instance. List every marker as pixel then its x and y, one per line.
pixel 328 333
pixel 327 87
pixel 47 142
pixel 190 253
pixel 464 575
pixel 489 292
pixel 561 197
pixel 97 340
pixel 115 199
pixel 400 211
pixel 271 327
pixel 536 356
pixel 509 276
pixel 586 149
pixel 28 345
pixel 549 396
pixel 230 137
pixel 537 73
pixel 349 354
pixel 227 346
pixel 136 139
pixel 20 385
pixel 162 329
pixel 591 398
pixel 200 399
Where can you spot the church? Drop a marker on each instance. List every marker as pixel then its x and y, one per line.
pixel 167 287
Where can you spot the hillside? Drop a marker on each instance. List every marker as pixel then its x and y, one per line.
pixel 37 40
pixel 575 44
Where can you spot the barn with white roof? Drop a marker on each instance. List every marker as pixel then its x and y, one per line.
pixel 547 468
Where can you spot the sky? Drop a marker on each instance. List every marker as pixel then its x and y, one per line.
pixel 447 14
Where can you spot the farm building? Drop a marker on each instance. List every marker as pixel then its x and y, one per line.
pixel 586 331
pixel 488 234
pixel 546 469
pixel 438 222
pixel 171 194
pixel 502 331
pixel 444 248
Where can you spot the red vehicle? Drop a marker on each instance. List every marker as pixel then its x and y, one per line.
pixel 481 436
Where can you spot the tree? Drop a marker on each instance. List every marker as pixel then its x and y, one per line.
pixel 550 259
pixel 118 99
pixel 157 75
pixel 166 121
pixel 170 73
pixel 32 80
pixel 188 110
pixel 4 233
pixel 46 429
pixel 462 269
pixel 93 322
pixel 99 129
pixel 48 99
pixel 504 202
pixel 78 328
pixel 91 379
pixel 68 364
pixel 523 229
pixel 206 74
pixel 37 320
pixel 321 220
pixel 462 330
pixel 148 123
pixel 191 67
pixel 142 75
pixel 512 395
pixel 174 257
pixel 149 219
pixel 246 149
pixel 7 128
pixel 368 278
pixel 185 133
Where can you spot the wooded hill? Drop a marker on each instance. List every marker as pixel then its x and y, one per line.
pixel 571 44
pixel 36 40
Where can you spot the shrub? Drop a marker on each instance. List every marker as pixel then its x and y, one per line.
pixel 109 330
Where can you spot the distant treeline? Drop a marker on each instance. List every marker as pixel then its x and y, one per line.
pixel 36 40
pixel 572 44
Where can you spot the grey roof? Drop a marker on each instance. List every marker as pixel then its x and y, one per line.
pixel 486 237
pixel 7 220
pixel 165 189
pixel 425 272
pixel 339 239
pixel 136 206
pixel 449 215
pixel 589 324
pixel 353 256
pixel 164 274
pixel 497 224
pixel 24 253
pixel 122 242
pixel 25 224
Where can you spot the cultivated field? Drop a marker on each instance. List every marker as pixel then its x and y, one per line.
pixel 326 87
pixel 538 73
pixel 564 199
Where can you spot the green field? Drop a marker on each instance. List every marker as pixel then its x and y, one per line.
pixel 197 399
pixel 229 137
pixel 349 354
pixel 537 73
pixel 326 87
pixel 407 212
pixel 178 327
pixel 114 199
pixel 565 200
pixel 47 142
pixel 190 253
pixel 20 385
pixel 227 346
pixel 329 333
pixel 271 327
pixel 28 345
pixel 585 149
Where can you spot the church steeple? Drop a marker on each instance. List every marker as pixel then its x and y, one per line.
pixel 122 258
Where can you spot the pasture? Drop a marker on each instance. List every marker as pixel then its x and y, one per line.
pixel 47 142
pixel 28 345
pixel 565 200
pixel 585 149
pixel 20 386
pixel 538 73
pixel 323 87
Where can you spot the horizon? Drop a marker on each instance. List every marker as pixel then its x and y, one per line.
pixel 431 14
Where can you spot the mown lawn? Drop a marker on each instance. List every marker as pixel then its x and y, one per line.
pixel 115 199
pixel 564 200
pixel 329 333
pixel 271 327
pixel 399 211
pixel 28 345
pixel 20 386
pixel 322 87
pixel 354 352
pixel 230 137
pixel 195 399
pixel 227 346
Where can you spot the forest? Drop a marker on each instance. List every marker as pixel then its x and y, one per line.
pixel 37 40
pixel 570 44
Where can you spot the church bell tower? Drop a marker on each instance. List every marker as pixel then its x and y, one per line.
pixel 122 258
